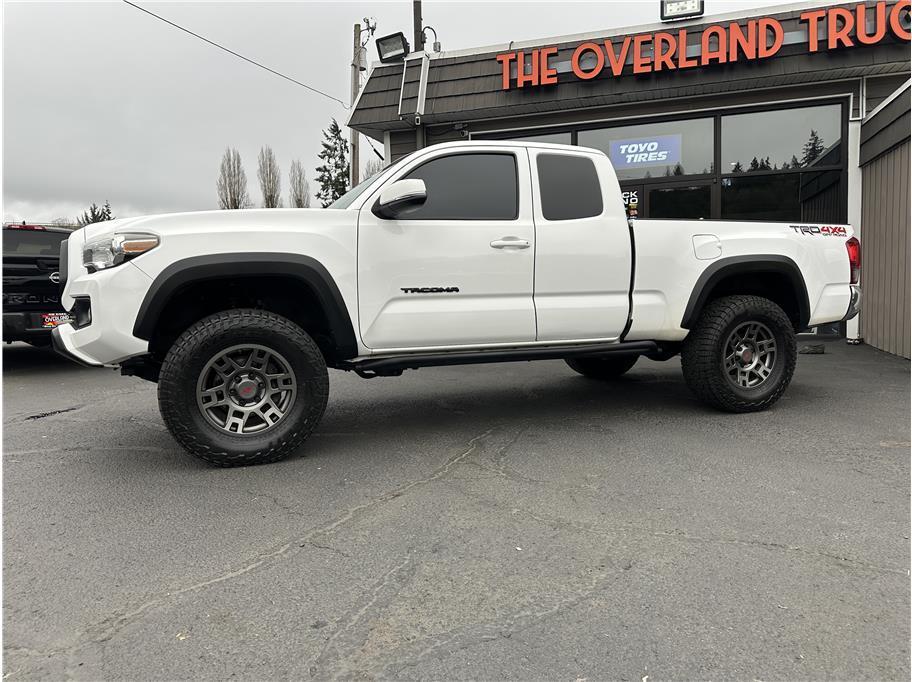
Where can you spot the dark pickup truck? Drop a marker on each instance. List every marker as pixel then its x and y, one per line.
pixel 31 283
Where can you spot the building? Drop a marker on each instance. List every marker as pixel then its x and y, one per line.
pixel 779 116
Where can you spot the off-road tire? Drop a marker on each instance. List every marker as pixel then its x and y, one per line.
pixel 604 368
pixel 703 354
pixel 187 358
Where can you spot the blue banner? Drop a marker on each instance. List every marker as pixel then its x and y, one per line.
pixel 657 150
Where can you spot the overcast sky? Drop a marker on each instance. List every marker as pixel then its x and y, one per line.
pixel 103 102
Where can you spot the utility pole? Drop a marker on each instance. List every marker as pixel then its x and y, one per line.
pixel 355 86
pixel 419 32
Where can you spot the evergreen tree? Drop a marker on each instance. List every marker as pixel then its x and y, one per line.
pixel 754 164
pixel 95 214
pixel 737 168
pixel 332 176
pixel 813 148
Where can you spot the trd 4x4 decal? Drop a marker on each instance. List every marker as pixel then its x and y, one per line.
pixel 826 230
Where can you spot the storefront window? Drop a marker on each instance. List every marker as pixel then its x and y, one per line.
pixel 787 139
pixel 656 150
pixel 686 202
pixel 808 197
pixel 551 138
pixel 781 164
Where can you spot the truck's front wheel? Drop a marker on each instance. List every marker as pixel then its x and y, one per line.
pixel 242 387
pixel 741 354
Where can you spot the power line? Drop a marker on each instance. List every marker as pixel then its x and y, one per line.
pixel 374 148
pixel 239 56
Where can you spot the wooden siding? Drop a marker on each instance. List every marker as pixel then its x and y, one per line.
pixel 885 228
pixel 877 89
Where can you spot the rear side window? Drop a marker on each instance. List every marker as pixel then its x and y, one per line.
pixel 569 187
pixel 468 187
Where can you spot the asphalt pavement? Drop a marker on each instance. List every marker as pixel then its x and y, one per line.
pixel 511 521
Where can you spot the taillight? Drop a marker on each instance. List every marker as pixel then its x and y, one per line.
pixel 853 246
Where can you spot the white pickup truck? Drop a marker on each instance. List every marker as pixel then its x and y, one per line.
pixel 460 253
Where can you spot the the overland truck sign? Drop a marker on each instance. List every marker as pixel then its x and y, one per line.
pixel 822 29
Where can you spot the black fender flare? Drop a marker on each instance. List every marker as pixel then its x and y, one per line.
pixel 237 265
pixel 740 265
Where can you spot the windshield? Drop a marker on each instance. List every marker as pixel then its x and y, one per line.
pixel 32 242
pixel 349 197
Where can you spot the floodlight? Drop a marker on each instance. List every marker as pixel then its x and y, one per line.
pixel 672 10
pixel 392 48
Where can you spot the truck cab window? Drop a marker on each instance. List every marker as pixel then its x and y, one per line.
pixel 569 187
pixel 468 187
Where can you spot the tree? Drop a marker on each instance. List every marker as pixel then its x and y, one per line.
pixel 299 192
pixel 232 181
pixel 813 148
pixel 62 222
pixel 95 214
pixel 737 168
pixel 372 167
pixel 270 178
pixel 333 174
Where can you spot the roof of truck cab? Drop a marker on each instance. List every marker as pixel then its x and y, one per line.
pixel 512 144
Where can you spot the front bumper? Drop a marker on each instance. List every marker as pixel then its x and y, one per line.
pixel 104 306
pixel 854 302
pixel 24 326
pixel 66 349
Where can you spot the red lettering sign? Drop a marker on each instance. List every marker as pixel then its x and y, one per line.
pixel 842 27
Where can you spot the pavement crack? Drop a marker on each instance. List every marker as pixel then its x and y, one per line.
pixel 104 630
pixel 445 644
pixel 332 656
pixel 42 415
pixel 688 537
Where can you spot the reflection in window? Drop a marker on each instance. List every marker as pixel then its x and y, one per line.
pixel 680 202
pixel 808 197
pixel 467 187
pixel 782 140
pixel 655 150
pixel 569 187
pixel 551 138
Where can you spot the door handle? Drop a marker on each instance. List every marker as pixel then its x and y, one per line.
pixel 510 243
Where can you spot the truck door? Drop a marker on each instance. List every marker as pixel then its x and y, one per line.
pixel 457 270
pixel 582 251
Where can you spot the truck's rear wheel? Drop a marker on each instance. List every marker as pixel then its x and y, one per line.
pixel 741 354
pixel 242 387
pixel 605 367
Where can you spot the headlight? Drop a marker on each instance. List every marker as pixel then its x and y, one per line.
pixel 110 251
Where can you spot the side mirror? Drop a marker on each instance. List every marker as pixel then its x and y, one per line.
pixel 399 197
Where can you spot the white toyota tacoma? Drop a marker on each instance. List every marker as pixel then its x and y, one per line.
pixel 460 253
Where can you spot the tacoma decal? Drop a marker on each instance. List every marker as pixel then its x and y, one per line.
pixel 430 290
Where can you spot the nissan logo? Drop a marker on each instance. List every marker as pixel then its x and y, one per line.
pixel 54 277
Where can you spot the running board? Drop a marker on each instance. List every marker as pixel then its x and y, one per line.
pixel 394 365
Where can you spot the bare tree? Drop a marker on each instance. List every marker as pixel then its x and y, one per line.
pixel 232 181
pixel 372 167
pixel 299 192
pixel 270 178
pixel 63 222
